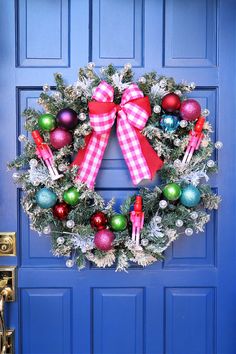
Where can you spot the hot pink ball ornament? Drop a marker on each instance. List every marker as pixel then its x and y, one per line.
pixel 60 137
pixel 103 240
pixel 190 110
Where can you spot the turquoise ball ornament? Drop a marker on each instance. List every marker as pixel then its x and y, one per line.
pixel 172 191
pixel 169 123
pixel 46 198
pixel 118 222
pixel 190 196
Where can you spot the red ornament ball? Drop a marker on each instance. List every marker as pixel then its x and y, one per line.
pixel 171 102
pixel 61 211
pixel 60 137
pixel 103 240
pixel 190 109
pixel 98 221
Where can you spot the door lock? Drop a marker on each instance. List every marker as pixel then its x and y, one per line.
pixel 7 243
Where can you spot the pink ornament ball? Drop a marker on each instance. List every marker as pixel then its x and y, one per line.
pixel 60 137
pixel 190 110
pixel 103 240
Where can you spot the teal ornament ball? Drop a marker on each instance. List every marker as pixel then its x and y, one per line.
pixel 118 222
pixel 47 122
pixel 172 191
pixel 46 198
pixel 190 196
pixel 169 123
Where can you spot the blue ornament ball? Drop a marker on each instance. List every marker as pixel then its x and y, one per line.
pixel 169 123
pixel 190 196
pixel 46 198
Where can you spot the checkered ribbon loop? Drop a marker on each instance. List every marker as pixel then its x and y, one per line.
pixel 132 115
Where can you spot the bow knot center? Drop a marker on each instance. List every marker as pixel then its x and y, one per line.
pixel 118 108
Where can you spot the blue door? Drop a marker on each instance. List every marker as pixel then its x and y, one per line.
pixel 183 305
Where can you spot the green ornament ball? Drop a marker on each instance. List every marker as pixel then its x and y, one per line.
pixel 118 222
pixel 47 122
pixel 71 196
pixel 172 191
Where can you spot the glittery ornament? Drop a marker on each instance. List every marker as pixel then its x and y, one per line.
pixel 177 163
pixel 103 240
pixel 45 198
pixel 190 196
pixel 190 110
pixel 67 118
pixel 172 191
pixel 47 122
pixel 60 138
pixel 128 66
pixel 61 211
pixel 98 220
pixel 70 263
pixel 16 176
pixel 158 219
pixel 171 102
pixel 71 196
pixel 118 222
pixel 169 123
pixel 163 204
pixel 188 231
pixel 91 65
pixel 62 167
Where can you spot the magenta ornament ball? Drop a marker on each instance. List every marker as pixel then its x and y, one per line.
pixel 67 118
pixel 103 240
pixel 190 110
pixel 60 137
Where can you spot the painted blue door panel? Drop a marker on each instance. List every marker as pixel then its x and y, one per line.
pixel 184 305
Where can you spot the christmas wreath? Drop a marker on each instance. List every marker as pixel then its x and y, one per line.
pixel 158 128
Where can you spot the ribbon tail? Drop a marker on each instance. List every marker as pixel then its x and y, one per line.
pixel 92 158
pixel 153 161
pixel 81 153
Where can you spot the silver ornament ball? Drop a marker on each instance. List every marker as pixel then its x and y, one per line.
pixel 70 263
pixel 60 240
pixel 62 167
pixel 16 176
pixel 128 66
pixel 179 223
pixel 210 163
pixel 163 204
pixel 157 109
pixel 142 80
pixel 177 142
pixel 33 163
pixel 47 230
pixel 177 163
pixel 22 138
pixel 218 145
pixel 144 242
pixel 91 65
pixel 82 116
pixel 188 231
pixel 205 112
pixel 183 123
pixel 158 219
pixel 36 183
pixel 70 224
pixel 194 215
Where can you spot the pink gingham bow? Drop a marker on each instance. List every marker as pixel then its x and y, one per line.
pixel 132 115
